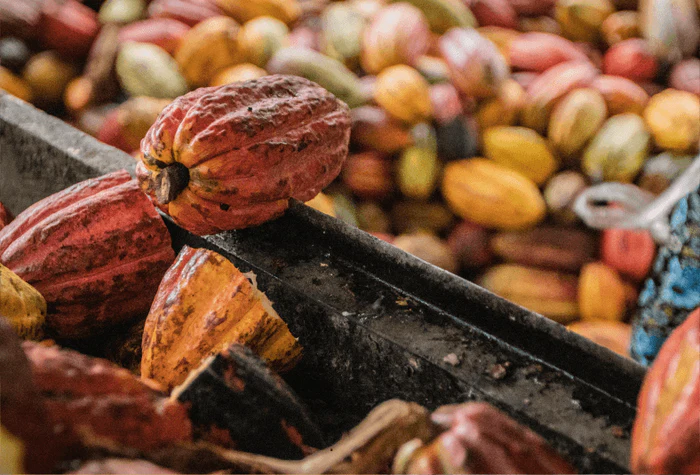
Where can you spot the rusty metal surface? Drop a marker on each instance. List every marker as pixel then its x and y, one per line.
pixel 377 323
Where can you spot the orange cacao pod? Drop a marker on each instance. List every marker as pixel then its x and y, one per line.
pixel 491 194
pixel 473 433
pixel 94 396
pixel 48 76
pixel 540 51
pixel 685 76
pixel 203 305
pixel 601 293
pixel 287 132
pixel 428 247
pixel 398 34
pixel 628 251
pixel 135 117
pixel 621 94
pixel 404 94
pixel 615 336
pixel 368 175
pixel 104 228
pixel 476 66
pixel 631 59
pixel 238 73
pixel 666 432
pixel 553 247
pixel 164 32
pixel 494 13
pixel 373 128
pixel 550 293
pixel 620 26
pixel 14 85
pixel 286 10
pixel 68 27
pixel 550 86
pixel 189 12
pixel 673 117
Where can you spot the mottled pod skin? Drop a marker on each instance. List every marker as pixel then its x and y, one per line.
pixel 96 251
pixel 231 157
pixel 203 305
pixel 666 432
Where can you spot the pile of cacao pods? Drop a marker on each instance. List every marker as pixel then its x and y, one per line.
pixel 475 122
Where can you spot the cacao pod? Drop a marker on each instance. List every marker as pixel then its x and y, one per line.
pixel 48 76
pixel 491 194
pixel 470 245
pixel 666 432
pixel 418 167
pixel 259 39
pixel 445 102
pixel 618 150
pixel 532 7
pixel 14 85
pixel 135 117
pixel 559 194
pixel 620 26
pixel 208 48
pixel 329 73
pixel 503 109
pixel 93 396
pixel 288 133
pixel 501 37
pixel 615 336
pixel 428 247
pixel 476 66
pixel 323 203
pixel 673 117
pixel 373 128
pixel 540 51
pixel 404 94
pixel 187 11
pixel 473 433
pixel 631 59
pixel 628 251
pixel 553 247
pixel 685 76
pixel 372 218
pixel 341 36
pixel 412 216
pixel 368 175
pixel 621 94
pixel 494 13
pixel 14 54
pixel 540 24
pixel 581 20
pixel 6 216
pixel 550 293
pixel 285 10
pixel 238 73
pixel 117 466
pixel 549 87
pixel 575 120
pixel 164 32
pixel 122 11
pixel 185 326
pixel 148 70
pixel 67 27
pixel 444 14
pixel 22 305
pixel 672 28
pixel 111 131
pixel 433 69
pixel 398 34
pixel 522 150
pixel 601 293
pixel 104 228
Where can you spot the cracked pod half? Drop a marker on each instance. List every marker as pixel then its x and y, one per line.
pixel 232 156
pixel 203 305
pixel 96 251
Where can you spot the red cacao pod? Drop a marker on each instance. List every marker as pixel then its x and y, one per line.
pixel 230 157
pixel 631 59
pixel 68 27
pixel 621 94
pixel 532 7
pixel 480 439
pixel 5 216
pixel 96 251
pixel 94 396
pixel 189 12
pixel 494 13
pixel 540 51
pixel 369 175
pixel 111 131
pixel 629 251
pixel 666 432
pixel 163 32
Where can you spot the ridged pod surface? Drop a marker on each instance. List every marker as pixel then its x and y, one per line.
pixel 232 156
pixel 203 305
pixel 96 251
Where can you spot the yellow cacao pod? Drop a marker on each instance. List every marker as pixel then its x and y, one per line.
pixel 48 75
pixel 148 70
pixel 323 203
pixel 503 109
pixel 581 20
pixel 445 14
pixel 22 305
pixel 418 168
pixel 341 35
pixel 522 150
pixel 259 39
pixel 550 293
pixel 14 85
pixel 237 73
pixel 242 11
pixel 575 120
pixel 601 293
pixel 618 150
pixel 490 194
pixel 404 94
pixel 207 48
pixel 673 117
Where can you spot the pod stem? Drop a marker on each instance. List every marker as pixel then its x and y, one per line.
pixel 171 181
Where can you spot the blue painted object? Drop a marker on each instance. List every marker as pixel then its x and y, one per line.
pixel 673 289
